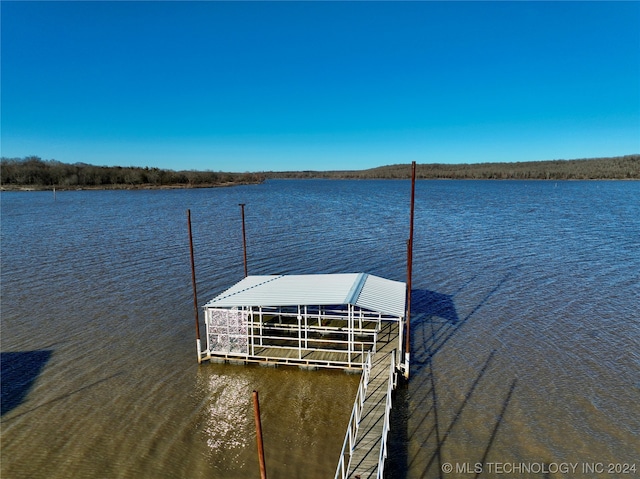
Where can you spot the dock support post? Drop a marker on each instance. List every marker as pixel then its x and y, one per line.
pixel 193 282
pixel 244 242
pixel 256 414
pixel 407 348
pixel 299 318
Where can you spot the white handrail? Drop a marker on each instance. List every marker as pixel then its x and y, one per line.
pixel 354 421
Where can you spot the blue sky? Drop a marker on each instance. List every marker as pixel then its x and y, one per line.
pixel 254 86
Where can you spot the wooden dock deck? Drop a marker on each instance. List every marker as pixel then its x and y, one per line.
pixel 277 355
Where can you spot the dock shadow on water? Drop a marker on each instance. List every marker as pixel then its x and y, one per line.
pixel 430 420
pixel 19 371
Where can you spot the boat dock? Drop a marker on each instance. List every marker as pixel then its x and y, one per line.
pixel 351 321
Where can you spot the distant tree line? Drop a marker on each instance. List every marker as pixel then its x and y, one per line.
pixel 37 173
pixel 615 168
pixel 33 172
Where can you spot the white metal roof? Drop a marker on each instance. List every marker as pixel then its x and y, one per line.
pixel 358 289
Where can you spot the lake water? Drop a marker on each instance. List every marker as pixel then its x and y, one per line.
pixel 525 329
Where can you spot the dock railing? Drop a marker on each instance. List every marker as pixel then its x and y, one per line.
pixel 342 470
pixel 387 414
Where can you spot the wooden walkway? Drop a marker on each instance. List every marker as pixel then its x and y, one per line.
pixel 366 453
pixel 365 456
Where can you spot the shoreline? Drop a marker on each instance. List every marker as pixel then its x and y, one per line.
pixel 186 186
pixel 149 186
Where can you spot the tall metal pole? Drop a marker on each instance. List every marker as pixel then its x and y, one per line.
pixel 244 242
pixel 407 348
pixel 193 282
pixel 256 414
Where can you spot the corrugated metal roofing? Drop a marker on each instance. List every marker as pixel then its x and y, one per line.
pixel 358 289
pixel 379 294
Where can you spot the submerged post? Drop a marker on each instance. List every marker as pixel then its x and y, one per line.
pixel 256 414
pixel 244 242
pixel 407 347
pixel 193 282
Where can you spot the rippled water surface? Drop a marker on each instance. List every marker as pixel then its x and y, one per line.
pixel 525 328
